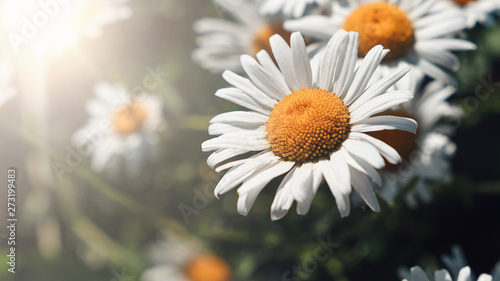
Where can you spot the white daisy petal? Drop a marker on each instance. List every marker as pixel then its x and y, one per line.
pixel 283 199
pixel 263 79
pixel 389 153
pixel 343 204
pixel 378 123
pixel 301 62
pixel 252 186
pixel 363 187
pixel 312 188
pixel 245 169
pixel 379 104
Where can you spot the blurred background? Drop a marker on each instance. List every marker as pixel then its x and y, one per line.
pixel 75 223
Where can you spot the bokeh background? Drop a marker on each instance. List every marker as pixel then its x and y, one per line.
pixel 91 226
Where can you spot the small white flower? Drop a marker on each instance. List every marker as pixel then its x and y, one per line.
pixel 221 42
pixel 178 259
pixel 476 11
pixel 427 154
pixel 291 8
pixel 414 31
pixel 306 123
pixel 417 274
pixel 456 261
pixel 121 128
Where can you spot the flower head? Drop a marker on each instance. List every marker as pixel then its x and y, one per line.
pixel 308 121
pixel 179 259
pixel 122 129
pixel 416 32
pixel 426 154
pixel 222 42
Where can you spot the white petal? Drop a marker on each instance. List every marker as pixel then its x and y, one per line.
pixel 389 153
pixel 283 199
pixel 380 87
pixel 378 123
pixel 239 97
pixel 267 81
pixel 364 73
pixel 311 189
pixel 365 151
pixel 342 200
pixel 329 60
pixel 245 169
pixel 302 66
pixel 379 104
pixel 364 188
pixel 417 274
pixel 253 185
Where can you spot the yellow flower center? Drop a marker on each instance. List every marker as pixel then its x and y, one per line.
pixel 261 38
pixel 382 23
pixel 208 267
pixel 402 141
pixel 307 125
pixel 463 2
pixel 129 118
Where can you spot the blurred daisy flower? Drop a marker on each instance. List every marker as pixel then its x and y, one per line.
pixel 56 26
pixel 426 154
pixel 414 32
pixel 178 259
pixel 307 123
pixel 122 130
pixel 291 8
pixel 418 274
pixel 221 42
pixel 7 90
pixel 456 261
pixel 476 11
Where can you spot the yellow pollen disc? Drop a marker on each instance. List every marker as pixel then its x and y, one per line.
pixel 208 267
pixel 128 119
pixel 402 141
pixel 261 38
pixel 307 125
pixel 382 23
pixel 463 2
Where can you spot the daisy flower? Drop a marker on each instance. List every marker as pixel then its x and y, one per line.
pixel 221 42
pixel 418 274
pixel 426 154
pixel 476 11
pixel 413 30
pixel 56 26
pixel 291 8
pixel 307 124
pixel 456 261
pixel 178 259
pixel 121 128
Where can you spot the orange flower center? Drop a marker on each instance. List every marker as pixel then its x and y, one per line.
pixel 208 267
pixel 463 2
pixel 307 125
pixel 382 23
pixel 261 38
pixel 129 118
pixel 402 141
